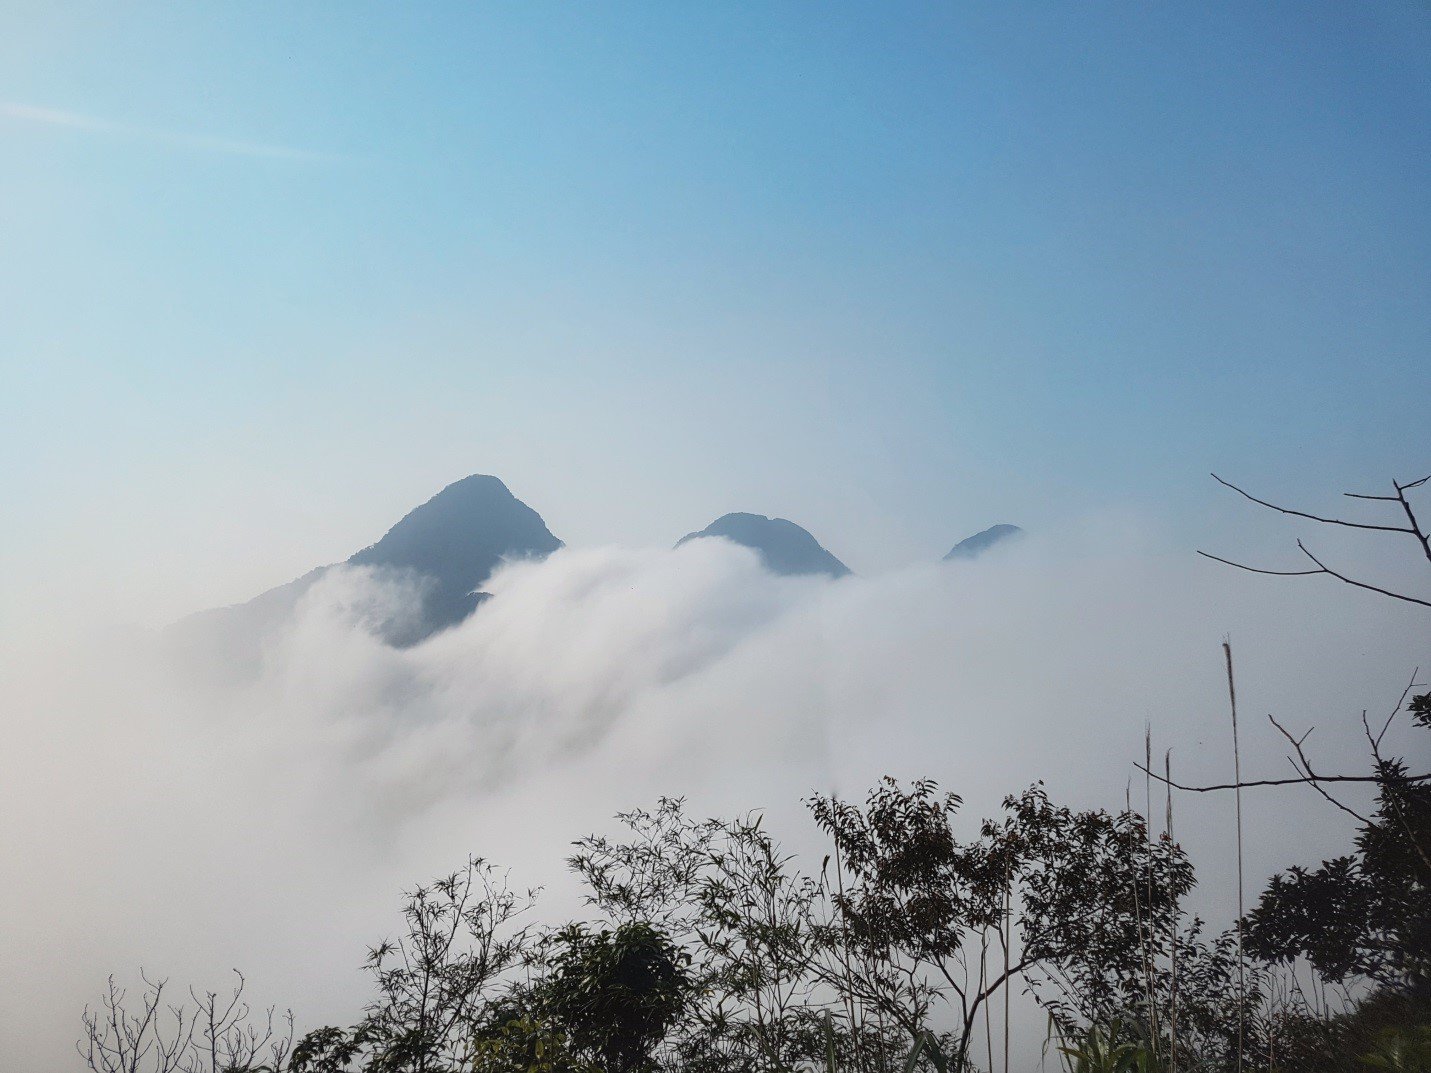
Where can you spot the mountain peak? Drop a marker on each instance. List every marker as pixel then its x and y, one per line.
pixel 462 532
pixel 456 539
pixel 449 546
pixel 783 546
pixel 974 546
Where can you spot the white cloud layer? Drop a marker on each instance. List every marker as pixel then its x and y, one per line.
pixel 270 824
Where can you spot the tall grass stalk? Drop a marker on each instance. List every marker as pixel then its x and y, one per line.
pixel 983 980
pixel 1150 944
pixel 845 961
pixel 1008 932
pixel 1172 927
pixel 1144 919
pixel 1237 782
pixel 925 1045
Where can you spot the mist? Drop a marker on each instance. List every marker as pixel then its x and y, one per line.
pixel 268 821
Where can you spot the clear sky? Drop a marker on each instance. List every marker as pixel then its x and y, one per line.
pixel 273 273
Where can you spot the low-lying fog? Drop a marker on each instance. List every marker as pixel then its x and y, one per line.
pixel 152 818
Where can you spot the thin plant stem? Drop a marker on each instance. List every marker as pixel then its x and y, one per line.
pixel 1237 779
pixel 983 976
pixel 1008 938
pixel 1173 932
pixel 1151 949
pixel 1144 923
pixel 845 958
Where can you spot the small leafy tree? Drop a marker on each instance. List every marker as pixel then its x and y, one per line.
pixel 463 939
pixel 733 901
pixel 1079 906
pixel 616 993
pixel 1365 915
pixel 909 899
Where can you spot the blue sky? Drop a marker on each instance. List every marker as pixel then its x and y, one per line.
pixel 274 273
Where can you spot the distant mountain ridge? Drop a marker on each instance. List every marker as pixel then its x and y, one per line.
pixel 783 546
pixel 449 546
pixel 974 546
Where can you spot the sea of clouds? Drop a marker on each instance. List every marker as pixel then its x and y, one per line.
pixel 190 824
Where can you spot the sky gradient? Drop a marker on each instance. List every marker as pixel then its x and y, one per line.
pixel 272 274
pixel 276 273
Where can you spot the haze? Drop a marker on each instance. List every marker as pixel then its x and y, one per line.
pixel 275 275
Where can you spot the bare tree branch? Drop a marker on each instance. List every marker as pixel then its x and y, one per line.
pixel 1310 517
pixel 1421 535
pixel 1305 772
pixel 1321 569
pixel 1274 782
pixel 1413 529
pixel 1362 584
pixel 1415 484
pixel 1401 703
pixel 1303 767
pixel 215 1037
pixel 1258 569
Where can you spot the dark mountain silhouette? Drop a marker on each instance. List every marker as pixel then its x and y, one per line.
pixel 783 546
pixel 456 539
pixel 448 546
pixel 974 546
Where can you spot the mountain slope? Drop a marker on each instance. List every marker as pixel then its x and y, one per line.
pixel 783 546
pixel 448 546
pixel 974 546
pixel 456 539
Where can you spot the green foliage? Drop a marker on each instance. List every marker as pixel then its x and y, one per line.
pixel 1109 1050
pixel 1377 1029
pixel 523 1043
pixel 616 993
pixel 1085 901
pixel 926 1050
pixel 433 984
pixel 880 945
pixel 710 951
pixel 1402 1051
pixel 728 896
pixel 1368 914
